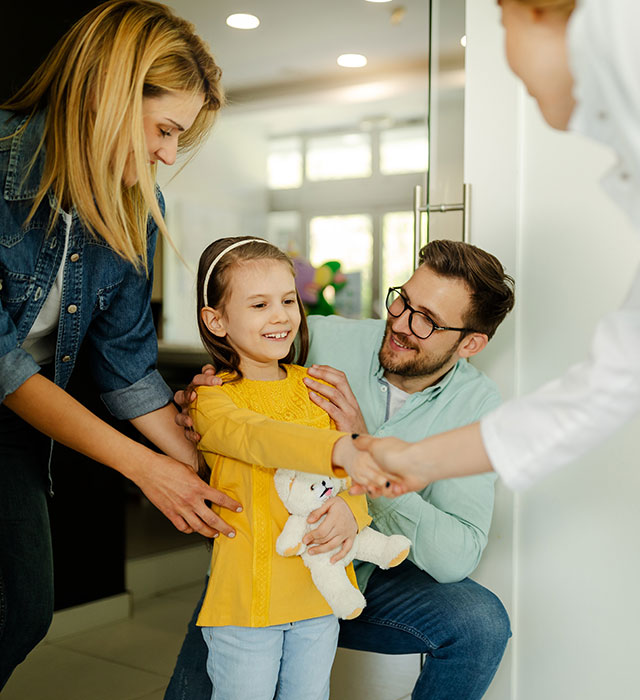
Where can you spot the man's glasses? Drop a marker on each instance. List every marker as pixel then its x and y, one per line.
pixel 421 325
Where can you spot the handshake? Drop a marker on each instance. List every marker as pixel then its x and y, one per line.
pixel 386 466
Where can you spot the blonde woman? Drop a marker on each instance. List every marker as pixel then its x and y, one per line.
pixel 128 86
pixel 581 62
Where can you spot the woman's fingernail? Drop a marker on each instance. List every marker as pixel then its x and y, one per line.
pixel 239 509
pixel 231 534
pixel 354 436
pixel 388 484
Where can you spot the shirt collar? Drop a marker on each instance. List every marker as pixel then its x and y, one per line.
pixel 24 175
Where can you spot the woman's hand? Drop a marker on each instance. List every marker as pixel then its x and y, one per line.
pixel 182 496
pixel 185 397
pixel 362 468
pixel 338 400
pixel 338 529
pixel 413 465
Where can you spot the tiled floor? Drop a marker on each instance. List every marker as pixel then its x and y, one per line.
pixel 129 660
pixel 133 659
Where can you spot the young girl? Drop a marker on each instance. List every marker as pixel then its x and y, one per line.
pixel 264 622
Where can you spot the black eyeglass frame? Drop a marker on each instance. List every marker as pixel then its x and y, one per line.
pixel 412 311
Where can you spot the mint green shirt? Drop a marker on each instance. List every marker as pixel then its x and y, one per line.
pixel 448 521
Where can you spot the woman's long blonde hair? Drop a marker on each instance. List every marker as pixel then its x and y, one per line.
pixel 92 85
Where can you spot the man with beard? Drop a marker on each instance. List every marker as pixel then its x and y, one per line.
pixel 409 377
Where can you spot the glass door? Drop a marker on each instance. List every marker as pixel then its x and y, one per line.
pixel 441 206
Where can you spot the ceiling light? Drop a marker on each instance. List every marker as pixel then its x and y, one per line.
pixel 243 21
pixel 352 60
pixel 463 41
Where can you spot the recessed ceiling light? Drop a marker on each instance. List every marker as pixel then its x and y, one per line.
pixel 243 21
pixel 352 60
pixel 463 41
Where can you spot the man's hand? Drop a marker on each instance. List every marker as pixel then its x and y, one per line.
pixel 337 400
pixel 177 492
pixel 338 529
pixel 185 397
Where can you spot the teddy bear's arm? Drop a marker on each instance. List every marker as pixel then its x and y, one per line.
pixel 289 543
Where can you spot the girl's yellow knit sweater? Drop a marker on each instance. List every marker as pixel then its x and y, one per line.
pixel 250 428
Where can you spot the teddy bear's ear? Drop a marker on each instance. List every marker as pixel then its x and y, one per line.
pixel 283 480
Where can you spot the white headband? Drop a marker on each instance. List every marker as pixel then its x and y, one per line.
pixel 217 260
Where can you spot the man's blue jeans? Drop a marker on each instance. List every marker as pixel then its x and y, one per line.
pixel 26 568
pixel 461 628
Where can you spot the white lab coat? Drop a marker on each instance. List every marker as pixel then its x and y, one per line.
pixel 528 437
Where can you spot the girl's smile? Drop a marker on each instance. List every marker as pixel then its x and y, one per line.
pixel 260 317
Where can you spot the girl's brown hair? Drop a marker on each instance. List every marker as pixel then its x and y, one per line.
pixel 223 355
pixel 92 85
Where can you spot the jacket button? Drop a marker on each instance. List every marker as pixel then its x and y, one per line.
pixel 72 308
pixel 75 257
pixel 66 358
pixel 38 294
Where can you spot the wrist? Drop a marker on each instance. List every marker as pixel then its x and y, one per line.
pixel 343 451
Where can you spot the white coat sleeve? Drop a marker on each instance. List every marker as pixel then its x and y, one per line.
pixel 529 437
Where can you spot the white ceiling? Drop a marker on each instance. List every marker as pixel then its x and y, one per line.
pixel 286 71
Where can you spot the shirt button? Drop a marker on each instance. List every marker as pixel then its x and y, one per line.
pixel 72 308
pixel 74 257
pixel 66 358
pixel 383 388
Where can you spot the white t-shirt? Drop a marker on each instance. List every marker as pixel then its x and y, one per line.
pixel 397 399
pixel 527 438
pixel 41 339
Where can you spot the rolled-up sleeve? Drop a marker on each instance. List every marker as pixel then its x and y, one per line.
pixel 16 366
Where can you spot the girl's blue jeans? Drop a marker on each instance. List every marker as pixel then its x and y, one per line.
pixel 461 628
pixel 287 662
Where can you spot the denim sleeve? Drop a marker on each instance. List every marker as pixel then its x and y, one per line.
pixel 125 347
pixel 16 366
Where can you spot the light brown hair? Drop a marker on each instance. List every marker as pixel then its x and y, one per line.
pixel 491 288
pixel 92 85
pixel 564 6
pixel 223 355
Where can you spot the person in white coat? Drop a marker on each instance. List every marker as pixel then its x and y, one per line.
pixel 580 60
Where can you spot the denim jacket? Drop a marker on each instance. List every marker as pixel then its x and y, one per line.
pixel 105 301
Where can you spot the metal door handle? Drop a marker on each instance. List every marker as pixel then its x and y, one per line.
pixel 419 208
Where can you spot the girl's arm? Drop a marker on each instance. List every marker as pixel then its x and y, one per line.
pixel 170 485
pixel 251 437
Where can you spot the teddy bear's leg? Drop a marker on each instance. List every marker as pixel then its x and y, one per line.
pixel 383 550
pixel 331 580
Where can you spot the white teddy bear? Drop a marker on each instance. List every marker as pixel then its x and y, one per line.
pixel 301 494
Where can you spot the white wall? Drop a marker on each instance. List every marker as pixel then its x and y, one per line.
pixel 221 192
pixel 574 562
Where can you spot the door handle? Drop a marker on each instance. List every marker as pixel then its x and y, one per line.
pixel 419 208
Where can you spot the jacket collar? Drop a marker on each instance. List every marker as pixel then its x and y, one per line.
pixel 23 175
